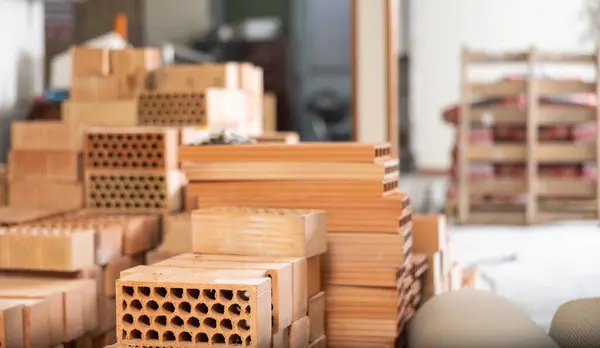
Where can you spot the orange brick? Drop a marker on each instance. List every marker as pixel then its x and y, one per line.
pixel 177 234
pixel 153 308
pixel 299 333
pixel 275 232
pixel 90 61
pixel 44 135
pixel 316 316
pixel 39 164
pixel 281 339
pixel 113 269
pixel 320 342
pixel 280 274
pixel 46 194
pixel 95 88
pixel 131 60
pixel 25 323
pixel 313 266
pixel 46 249
pixel 122 113
pixel 429 233
pixel 196 78
pixel 131 149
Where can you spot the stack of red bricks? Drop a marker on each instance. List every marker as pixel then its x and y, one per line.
pixel 254 281
pixel 368 223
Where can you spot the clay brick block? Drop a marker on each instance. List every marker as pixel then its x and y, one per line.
pixel 299 274
pixel 320 342
pixel 46 194
pixel 299 333
pixel 368 250
pixel 214 108
pixel 429 233
pixel 44 135
pixel 261 232
pixel 155 256
pixel 281 339
pixel 186 309
pixel 25 323
pixel 107 313
pixel 108 236
pixel 316 316
pixel 49 165
pixel 131 60
pixel 281 282
pixel 313 284
pixel 140 232
pixel 109 338
pixel 196 78
pixel 122 113
pixel 47 249
pixel 90 61
pixel 177 234
pixel 112 271
pixel 95 88
pixel 131 149
pixel 141 192
pixel 72 303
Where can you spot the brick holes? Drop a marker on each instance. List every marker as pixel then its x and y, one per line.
pixel 175 109
pixel 125 150
pixel 185 316
pixel 130 192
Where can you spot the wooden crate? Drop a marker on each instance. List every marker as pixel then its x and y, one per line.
pixel 531 152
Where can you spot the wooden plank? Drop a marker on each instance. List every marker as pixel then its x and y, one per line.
pixel 545 153
pixel 505 88
pixel 551 87
pixel 463 141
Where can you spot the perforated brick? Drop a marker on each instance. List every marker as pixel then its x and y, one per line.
pixel 172 108
pixel 134 192
pixel 131 149
pixel 188 310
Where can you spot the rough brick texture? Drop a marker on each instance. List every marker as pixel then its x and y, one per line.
pixel 131 148
pixel 148 192
pixel 256 231
pixel 184 309
pixel 172 108
pixel 47 249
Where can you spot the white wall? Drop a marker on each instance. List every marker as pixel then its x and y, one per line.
pixel 21 61
pixel 176 20
pixel 438 30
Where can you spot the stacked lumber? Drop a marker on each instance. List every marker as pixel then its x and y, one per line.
pixel 526 146
pixel 371 284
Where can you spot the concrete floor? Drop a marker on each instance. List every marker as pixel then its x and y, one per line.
pixel 552 263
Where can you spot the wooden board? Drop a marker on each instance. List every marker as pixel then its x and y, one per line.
pixel 252 171
pixel 544 153
pixel 547 187
pixel 303 152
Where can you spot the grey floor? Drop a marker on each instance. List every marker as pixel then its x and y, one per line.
pixel 537 267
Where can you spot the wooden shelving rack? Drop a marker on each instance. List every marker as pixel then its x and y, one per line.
pixel 547 198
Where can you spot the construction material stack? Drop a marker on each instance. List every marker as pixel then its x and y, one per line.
pixel 371 284
pixel 45 166
pixel 214 96
pixel 132 170
pixel 232 243
pixel 431 238
pixel 526 147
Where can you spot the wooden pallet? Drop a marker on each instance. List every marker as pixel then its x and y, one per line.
pixel 532 152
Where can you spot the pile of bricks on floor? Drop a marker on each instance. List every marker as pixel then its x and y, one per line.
pixel 371 284
pixel 253 281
